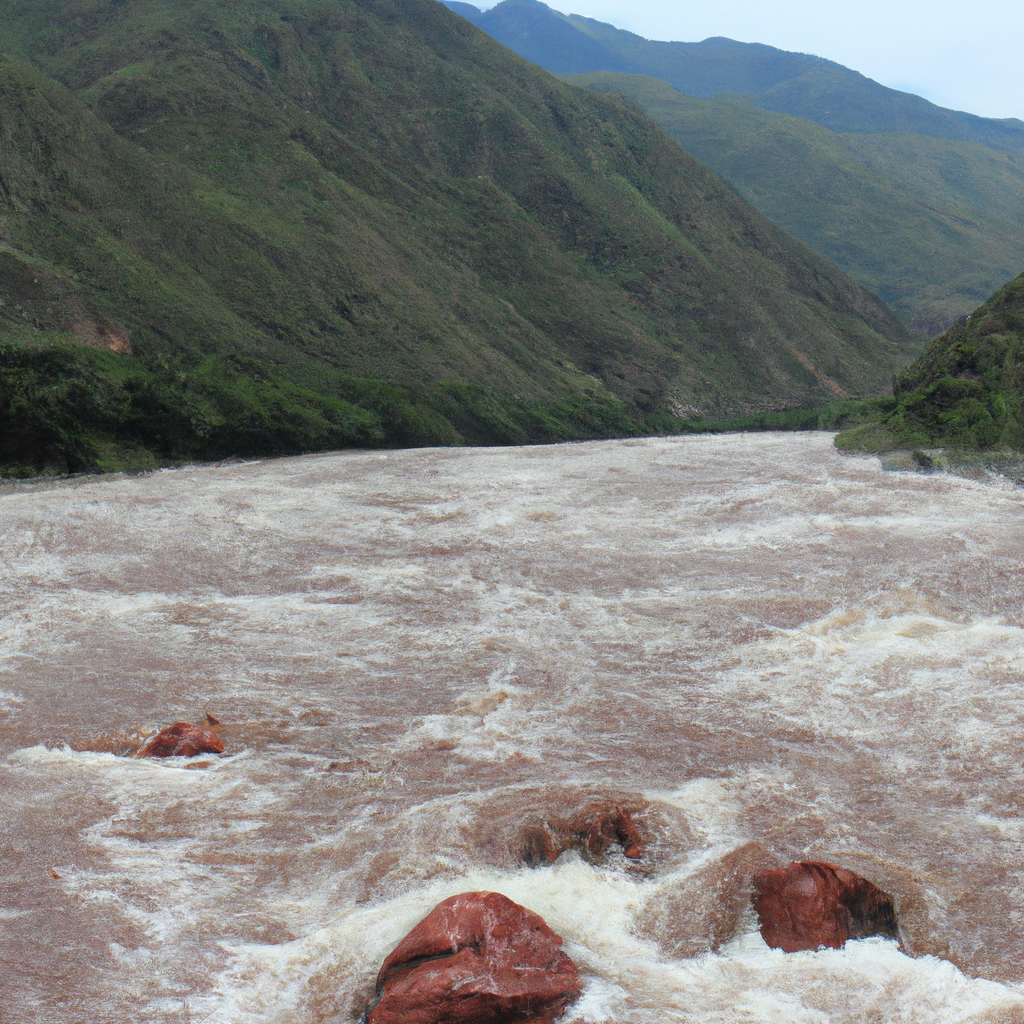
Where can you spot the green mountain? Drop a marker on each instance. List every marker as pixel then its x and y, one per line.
pixel 250 228
pixel 798 84
pixel 922 205
pixel 933 226
pixel 966 390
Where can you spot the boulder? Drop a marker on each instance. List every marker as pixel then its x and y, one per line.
pixel 182 740
pixel 812 904
pixel 477 958
pixel 593 830
pixel 537 844
pixel 598 827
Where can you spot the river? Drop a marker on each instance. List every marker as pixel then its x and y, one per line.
pixel 762 645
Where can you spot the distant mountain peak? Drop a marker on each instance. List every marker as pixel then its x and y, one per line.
pixel 843 100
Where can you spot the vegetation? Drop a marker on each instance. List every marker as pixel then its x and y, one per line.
pixel 921 205
pixel 229 227
pixel 933 226
pixel 966 390
pixel 65 408
pixel 829 416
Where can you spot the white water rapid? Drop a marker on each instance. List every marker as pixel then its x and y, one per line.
pixel 754 639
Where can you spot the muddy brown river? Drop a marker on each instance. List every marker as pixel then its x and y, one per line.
pixel 769 650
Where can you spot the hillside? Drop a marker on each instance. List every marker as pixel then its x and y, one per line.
pixel 933 226
pixel 225 230
pixel 922 205
pixel 799 84
pixel 966 390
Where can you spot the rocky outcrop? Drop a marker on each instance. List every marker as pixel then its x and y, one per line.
pixel 476 958
pixel 182 740
pixel 812 904
pixel 593 831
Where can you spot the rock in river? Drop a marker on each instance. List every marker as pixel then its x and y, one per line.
pixel 182 740
pixel 476 958
pixel 813 904
pixel 593 830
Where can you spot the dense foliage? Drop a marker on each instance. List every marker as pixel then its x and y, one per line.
pixel 352 222
pixel 965 391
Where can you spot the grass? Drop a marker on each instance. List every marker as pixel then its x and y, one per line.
pixel 350 225
pixel 966 391
pixel 933 226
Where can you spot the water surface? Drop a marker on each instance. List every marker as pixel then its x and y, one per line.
pixel 752 639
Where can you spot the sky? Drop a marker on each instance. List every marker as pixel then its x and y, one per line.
pixel 963 54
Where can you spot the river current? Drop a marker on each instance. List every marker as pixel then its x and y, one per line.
pixel 767 648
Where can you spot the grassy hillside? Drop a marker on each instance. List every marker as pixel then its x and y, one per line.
pixel 232 228
pixel 966 390
pixel 922 205
pixel 931 225
pixel 799 84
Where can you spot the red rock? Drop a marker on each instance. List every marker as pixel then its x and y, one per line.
pixel 813 904
pixel 477 958
pixel 182 740
pixel 592 830
pixel 597 827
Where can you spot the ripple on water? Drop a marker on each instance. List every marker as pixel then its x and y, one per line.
pixel 769 651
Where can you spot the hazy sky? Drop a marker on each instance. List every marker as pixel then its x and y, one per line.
pixel 964 54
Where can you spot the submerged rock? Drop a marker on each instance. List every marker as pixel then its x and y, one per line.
pixel 476 958
pixel 593 830
pixel 598 827
pixel 182 740
pixel 707 908
pixel 813 904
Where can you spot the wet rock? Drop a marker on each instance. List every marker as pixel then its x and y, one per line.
pixel 593 831
pixel 182 740
pixel 536 844
pixel 476 958
pixel 813 904
pixel 923 902
pixel 707 908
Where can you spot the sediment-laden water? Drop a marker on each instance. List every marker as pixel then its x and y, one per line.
pixel 767 648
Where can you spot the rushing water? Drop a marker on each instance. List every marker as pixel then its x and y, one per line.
pixel 751 639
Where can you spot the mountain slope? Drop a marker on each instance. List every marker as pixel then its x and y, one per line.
pixel 966 390
pixel 369 222
pixel 925 206
pixel 932 226
pixel 799 84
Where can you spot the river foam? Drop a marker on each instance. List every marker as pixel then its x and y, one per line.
pixel 770 650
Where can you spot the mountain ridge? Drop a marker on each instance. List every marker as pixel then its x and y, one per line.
pixel 932 224
pixel 368 223
pixel 803 85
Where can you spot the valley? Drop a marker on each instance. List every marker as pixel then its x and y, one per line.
pixel 371 225
pixel 924 206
